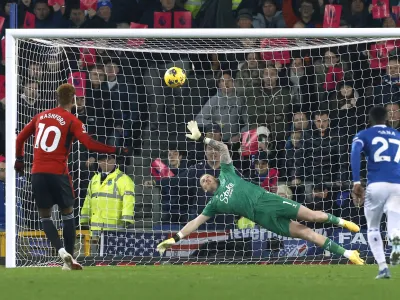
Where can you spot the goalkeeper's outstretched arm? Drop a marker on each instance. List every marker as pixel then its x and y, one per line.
pixel 222 148
pixel 195 135
pixel 188 229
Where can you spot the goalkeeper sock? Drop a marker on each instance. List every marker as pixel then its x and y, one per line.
pixel 69 232
pixel 334 220
pixel 51 232
pixel 333 247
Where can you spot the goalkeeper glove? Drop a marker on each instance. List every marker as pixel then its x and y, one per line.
pixel 19 166
pixel 164 245
pixel 121 151
pixel 195 133
pixel 244 223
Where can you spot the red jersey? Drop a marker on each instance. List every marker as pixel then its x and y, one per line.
pixel 54 131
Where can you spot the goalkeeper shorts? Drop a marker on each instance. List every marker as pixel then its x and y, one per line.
pixel 275 213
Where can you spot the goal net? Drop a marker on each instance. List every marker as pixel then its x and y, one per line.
pixel 287 107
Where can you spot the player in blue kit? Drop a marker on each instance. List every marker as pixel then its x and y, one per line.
pixel 381 147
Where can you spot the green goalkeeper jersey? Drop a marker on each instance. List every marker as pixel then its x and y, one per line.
pixel 234 195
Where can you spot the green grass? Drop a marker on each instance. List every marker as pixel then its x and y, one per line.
pixel 339 282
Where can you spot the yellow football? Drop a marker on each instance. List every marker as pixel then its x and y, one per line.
pixel 175 77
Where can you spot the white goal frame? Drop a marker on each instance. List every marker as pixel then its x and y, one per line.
pixel 12 77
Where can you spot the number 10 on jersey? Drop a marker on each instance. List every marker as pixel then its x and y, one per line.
pixel 43 135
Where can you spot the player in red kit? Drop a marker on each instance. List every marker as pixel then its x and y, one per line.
pixel 54 132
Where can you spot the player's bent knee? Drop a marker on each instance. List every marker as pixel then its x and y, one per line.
pixel 298 230
pixel 44 213
pixel 67 211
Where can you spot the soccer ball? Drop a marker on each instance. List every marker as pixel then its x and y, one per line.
pixel 175 77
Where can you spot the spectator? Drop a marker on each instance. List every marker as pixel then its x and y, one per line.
pixel 225 109
pixel 48 17
pixel 270 103
pixel 5 12
pixel 322 198
pixel 244 19
pixel 378 56
pixel 124 104
pixel 301 82
pixel 35 72
pixel 104 13
pixel 389 89
pixel 389 22
pixel 28 104
pixel 321 155
pixel 300 125
pixel 270 16
pixel 263 175
pixel 100 101
pixel 349 109
pixel 264 142
pixel 329 72
pixel 109 206
pixel 359 16
pixel 249 74
pixel 309 13
pixel 26 5
pixel 164 6
pixel 289 162
pixel 393 115
pixel 2 193
pixel 170 199
pixel 78 19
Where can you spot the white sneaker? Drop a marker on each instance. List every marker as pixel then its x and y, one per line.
pixel 65 267
pixel 69 261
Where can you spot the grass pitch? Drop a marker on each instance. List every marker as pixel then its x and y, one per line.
pixel 303 282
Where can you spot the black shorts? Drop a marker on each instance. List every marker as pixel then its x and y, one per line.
pixel 51 189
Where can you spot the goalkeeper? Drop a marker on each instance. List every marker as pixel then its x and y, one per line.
pixel 233 195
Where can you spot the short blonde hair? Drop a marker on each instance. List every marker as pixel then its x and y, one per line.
pixel 285 191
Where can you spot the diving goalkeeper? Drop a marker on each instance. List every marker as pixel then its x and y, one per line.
pixel 233 195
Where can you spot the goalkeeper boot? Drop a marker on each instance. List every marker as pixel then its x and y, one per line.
pixel 353 227
pixel 383 274
pixel 395 255
pixel 355 258
pixel 69 260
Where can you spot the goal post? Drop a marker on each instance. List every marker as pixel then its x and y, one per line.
pixel 176 41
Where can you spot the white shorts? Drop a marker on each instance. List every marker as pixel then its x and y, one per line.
pixel 379 198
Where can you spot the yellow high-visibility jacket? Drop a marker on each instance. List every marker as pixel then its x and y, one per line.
pixel 235 4
pixel 110 203
pixel 194 5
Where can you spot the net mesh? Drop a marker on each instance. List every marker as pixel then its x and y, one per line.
pixel 287 108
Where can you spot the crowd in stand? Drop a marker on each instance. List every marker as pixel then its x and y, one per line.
pixel 300 108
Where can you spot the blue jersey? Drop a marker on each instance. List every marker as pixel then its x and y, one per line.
pixel 381 146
